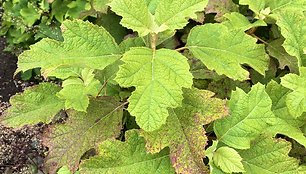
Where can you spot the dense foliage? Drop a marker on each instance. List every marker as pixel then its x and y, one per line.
pixel 189 87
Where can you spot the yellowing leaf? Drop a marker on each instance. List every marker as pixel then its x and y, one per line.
pixel 85 46
pixel 269 156
pixel 36 104
pixel 76 90
pixel 184 133
pixel 159 78
pixel 127 157
pixel 250 115
pixel 225 50
pixel 296 100
pixel 228 160
pixel 81 132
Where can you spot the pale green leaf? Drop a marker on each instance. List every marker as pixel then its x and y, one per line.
pixel 127 157
pixel 135 15
pixel 293 28
pixel 276 50
pixel 250 115
pixel 296 100
pixel 226 50
pixel 236 21
pixel 209 153
pixel 159 78
pixel 184 133
pixel 100 5
pixel 286 123
pixel 36 104
pixel 81 132
pixel 174 14
pixel 269 156
pixel 85 46
pixel 228 160
pixel 76 90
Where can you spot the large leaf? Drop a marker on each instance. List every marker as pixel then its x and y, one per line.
pixel 226 50
pixel 76 90
pixel 85 46
pixel 34 105
pixel 296 100
pixel 81 132
pixel 286 124
pixel 269 156
pixel 127 157
pixel 174 14
pixel 275 6
pixel 250 115
pixel 159 78
pixel 228 160
pixel 184 132
pixel 293 28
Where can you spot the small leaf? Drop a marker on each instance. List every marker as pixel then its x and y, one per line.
pixel 81 132
pixel 250 115
pixel 76 90
pixel 296 100
pixel 36 104
pixel 159 78
pixel 228 160
pixel 221 7
pixel 236 21
pixel 127 157
pixel 269 156
pixel 225 50
pixel 184 133
pixel 97 50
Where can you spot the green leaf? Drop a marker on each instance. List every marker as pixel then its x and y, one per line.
pixel 276 50
pixel 250 115
pixel 135 15
pixel 296 100
pixel 129 43
pixel 34 105
pixel 226 50
pixel 65 170
pixel 184 133
pixel 286 124
pixel 268 156
pixel 172 15
pixel 221 7
pixel 97 50
pixel 159 78
pixel 236 21
pixel 293 28
pixel 76 90
pixel 127 157
pixel 30 14
pixel 81 132
pixel 101 5
pixel 228 160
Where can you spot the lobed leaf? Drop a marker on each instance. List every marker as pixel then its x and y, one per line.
pixel 250 115
pixel 36 104
pixel 226 50
pixel 296 100
pixel 184 133
pixel 81 132
pixel 159 78
pixel 85 46
pixel 127 157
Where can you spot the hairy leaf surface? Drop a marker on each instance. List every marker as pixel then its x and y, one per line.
pixel 159 78
pixel 81 132
pixel 184 132
pixel 127 157
pixel 228 160
pixel 76 90
pixel 36 104
pixel 296 100
pixel 250 115
pixel 225 51
pixel 85 46
pixel 268 156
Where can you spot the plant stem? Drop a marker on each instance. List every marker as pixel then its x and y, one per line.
pixel 181 49
pixel 153 41
pixel 102 87
pixel 261 40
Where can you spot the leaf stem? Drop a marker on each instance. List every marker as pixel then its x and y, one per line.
pixel 102 87
pixel 181 49
pixel 154 38
pixel 261 40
